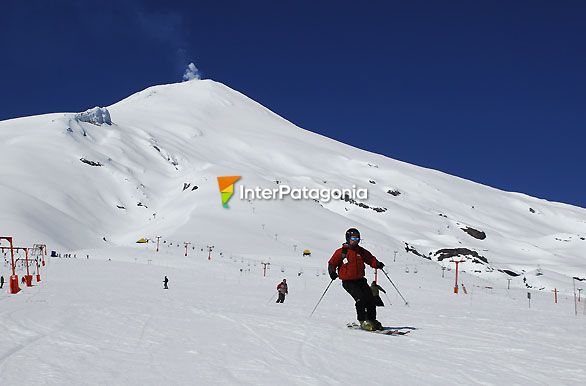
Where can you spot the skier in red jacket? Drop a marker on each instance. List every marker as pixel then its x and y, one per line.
pixel 283 290
pixel 347 263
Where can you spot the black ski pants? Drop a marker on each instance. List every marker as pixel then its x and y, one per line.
pixel 365 302
pixel 281 298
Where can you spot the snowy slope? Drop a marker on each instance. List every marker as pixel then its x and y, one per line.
pixel 153 143
pixel 100 322
pixel 120 173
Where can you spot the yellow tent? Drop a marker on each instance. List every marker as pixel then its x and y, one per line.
pixel 306 252
pixel 142 241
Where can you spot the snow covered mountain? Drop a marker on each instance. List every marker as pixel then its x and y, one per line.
pixel 147 166
pixel 91 184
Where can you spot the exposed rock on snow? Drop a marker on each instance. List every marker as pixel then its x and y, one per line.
pixel 509 272
pixel 447 253
pixel 480 235
pixel 97 116
pixel 89 162
pixel 350 200
pixel 409 248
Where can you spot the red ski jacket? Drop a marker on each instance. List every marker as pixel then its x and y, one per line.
pixel 351 267
pixel 282 288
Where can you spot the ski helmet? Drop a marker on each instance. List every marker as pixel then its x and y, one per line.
pixel 352 232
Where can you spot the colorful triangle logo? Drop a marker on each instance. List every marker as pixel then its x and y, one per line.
pixel 226 184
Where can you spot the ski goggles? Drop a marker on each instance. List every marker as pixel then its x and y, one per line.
pixel 354 238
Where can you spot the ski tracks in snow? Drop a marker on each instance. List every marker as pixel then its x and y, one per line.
pixel 292 359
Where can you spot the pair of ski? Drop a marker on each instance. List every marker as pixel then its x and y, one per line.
pixel 384 331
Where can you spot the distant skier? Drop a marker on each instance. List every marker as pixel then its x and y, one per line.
pixel 165 283
pixel 375 288
pixel 1 281
pixel 348 263
pixel 283 290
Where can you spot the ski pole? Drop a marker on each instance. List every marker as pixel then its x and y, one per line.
pixel 272 297
pixel 399 292
pixel 322 296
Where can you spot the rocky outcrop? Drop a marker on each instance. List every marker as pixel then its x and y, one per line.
pixel 474 233
pixel 447 253
pixel 91 163
pixel 97 116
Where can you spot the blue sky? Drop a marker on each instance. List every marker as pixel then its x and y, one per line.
pixel 491 91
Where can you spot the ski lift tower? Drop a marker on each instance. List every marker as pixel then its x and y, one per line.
pixel 575 300
pixel 28 278
pixel 264 268
pixel 457 262
pixel 37 252
pixel 14 288
pixel 42 248
pixel 158 239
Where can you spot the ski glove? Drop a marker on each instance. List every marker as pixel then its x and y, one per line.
pixel 380 265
